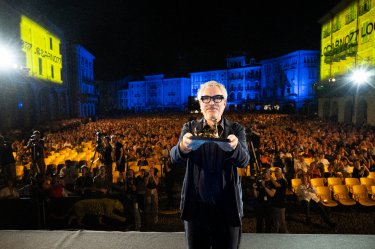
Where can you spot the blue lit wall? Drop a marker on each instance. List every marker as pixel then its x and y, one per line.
pixel 277 81
pixel 84 93
pixel 289 78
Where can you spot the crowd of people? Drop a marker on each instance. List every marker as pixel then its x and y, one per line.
pixel 298 146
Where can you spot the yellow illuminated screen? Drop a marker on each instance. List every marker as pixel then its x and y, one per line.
pixel 42 49
pixel 347 40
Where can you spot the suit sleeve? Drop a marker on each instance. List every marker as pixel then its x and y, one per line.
pixel 241 155
pixel 177 156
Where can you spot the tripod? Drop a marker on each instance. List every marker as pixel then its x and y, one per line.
pixel 93 160
pixel 257 168
pixel 97 146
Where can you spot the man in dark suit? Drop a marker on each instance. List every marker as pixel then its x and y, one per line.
pixel 211 198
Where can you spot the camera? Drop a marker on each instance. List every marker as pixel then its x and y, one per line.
pixel 258 181
pixel 98 135
pixel 34 140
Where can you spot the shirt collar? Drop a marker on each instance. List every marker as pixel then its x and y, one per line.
pixel 220 124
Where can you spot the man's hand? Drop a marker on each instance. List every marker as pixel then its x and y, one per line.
pixel 229 146
pixel 187 144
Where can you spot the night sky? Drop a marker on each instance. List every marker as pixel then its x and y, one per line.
pixel 149 37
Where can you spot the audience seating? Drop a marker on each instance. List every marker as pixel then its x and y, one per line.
pixel 332 181
pixel 115 176
pixel 350 182
pixel 361 196
pixel 317 181
pixel 368 182
pixel 350 169
pixel 324 193
pixel 295 183
pixel 341 194
pixel 371 175
pixel 19 171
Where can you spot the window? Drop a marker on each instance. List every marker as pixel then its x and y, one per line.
pixel 52 72
pixel 50 43
pixel 40 66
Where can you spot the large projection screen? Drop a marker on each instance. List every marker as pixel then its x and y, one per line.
pixel 43 52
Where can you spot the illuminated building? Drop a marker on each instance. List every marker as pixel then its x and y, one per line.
pixel 43 51
pixel 241 78
pixel 83 93
pixel 34 88
pixel 274 84
pixel 287 80
pixel 158 93
pixel 347 46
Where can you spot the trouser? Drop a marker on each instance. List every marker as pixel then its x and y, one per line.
pixel 263 213
pixel 108 171
pixel 152 203
pixel 38 166
pixel 322 212
pixel 210 230
pixel 141 202
pixel 278 221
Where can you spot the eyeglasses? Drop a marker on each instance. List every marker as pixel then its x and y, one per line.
pixel 216 99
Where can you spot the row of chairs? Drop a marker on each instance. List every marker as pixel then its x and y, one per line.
pixel 334 190
pixel 349 182
pixel 344 197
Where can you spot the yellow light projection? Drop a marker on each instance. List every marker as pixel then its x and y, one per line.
pixel 347 40
pixel 42 49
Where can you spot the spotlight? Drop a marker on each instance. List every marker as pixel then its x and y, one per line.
pixel 360 76
pixel 6 58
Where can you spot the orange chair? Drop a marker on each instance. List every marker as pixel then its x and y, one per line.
pixel 331 181
pixel 295 183
pixel 350 182
pixel 371 175
pixel 324 193
pixel 341 194
pixel 19 172
pixel 368 182
pixel 316 182
pixel 361 196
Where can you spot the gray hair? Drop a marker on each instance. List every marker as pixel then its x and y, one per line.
pixel 212 83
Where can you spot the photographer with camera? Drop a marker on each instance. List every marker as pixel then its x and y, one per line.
pixel 36 148
pixel 264 190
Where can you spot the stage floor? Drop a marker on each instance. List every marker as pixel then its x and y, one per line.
pixel 82 239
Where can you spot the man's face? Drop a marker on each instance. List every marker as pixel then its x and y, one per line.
pixel 212 110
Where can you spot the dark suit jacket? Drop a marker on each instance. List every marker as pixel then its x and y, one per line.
pixel 239 158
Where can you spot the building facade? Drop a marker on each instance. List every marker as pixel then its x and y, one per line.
pixel 346 88
pixel 156 92
pixel 83 92
pixel 269 85
pixel 287 81
pixel 33 74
